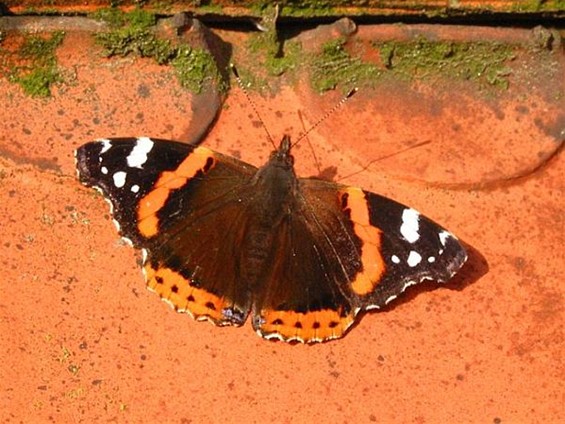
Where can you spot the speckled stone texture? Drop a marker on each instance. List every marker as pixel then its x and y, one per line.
pixel 83 341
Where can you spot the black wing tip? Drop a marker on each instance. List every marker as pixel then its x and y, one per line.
pixel 456 265
pixel 458 259
pixel 87 164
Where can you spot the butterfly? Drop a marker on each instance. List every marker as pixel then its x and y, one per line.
pixel 222 239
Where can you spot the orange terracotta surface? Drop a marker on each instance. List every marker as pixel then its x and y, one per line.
pixel 83 341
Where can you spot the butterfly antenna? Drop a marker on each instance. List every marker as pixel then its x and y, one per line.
pixel 364 168
pixel 327 114
pixel 252 103
pixel 312 150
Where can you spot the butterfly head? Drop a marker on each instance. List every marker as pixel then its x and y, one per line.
pixel 281 157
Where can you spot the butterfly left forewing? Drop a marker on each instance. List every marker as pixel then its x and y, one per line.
pixel 125 170
pixel 180 204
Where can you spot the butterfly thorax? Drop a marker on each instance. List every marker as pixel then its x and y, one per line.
pixel 275 185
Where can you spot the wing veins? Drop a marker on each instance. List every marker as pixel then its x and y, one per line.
pixel 201 213
pixel 328 240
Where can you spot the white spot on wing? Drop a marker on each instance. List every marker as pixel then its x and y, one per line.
pixel 408 284
pixel 390 299
pixel 443 236
pixel 119 179
pixel 99 190
pixel 126 240
pixel 431 259
pixel 414 259
pixel 106 145
pixel 138 155
pixel 395 259
pixel 410 225
pixel 104 170
pixel 144 272
pixel 134 188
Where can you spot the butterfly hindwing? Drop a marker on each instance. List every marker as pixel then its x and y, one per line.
pixel 303 298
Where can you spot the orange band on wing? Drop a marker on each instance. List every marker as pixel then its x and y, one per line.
pixel 373 265
pixel 313 326
pixel 177 291
pixel 169 180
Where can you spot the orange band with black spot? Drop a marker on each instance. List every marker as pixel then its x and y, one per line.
pixel 176 290
pixel 148 222
pixel 373 265
pixel 311 326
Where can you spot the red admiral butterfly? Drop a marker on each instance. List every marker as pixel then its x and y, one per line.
pixel 222 239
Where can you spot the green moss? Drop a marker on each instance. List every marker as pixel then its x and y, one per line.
pixel 37 83
pixel 336 67
pixel 115 18
pixel 526 6
pixel 194 68
pixel 277 58
pixel 306 8
pixel 34 65
pixel 311 8
pixel 41 50
pixel 538 5
pixel 484 62
pixel 288 61
pixel 139 18
pixel 132 34
pixel 270 54
pixel 162 7
pixel 136 41
pixel 253 80
pixel 209 8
